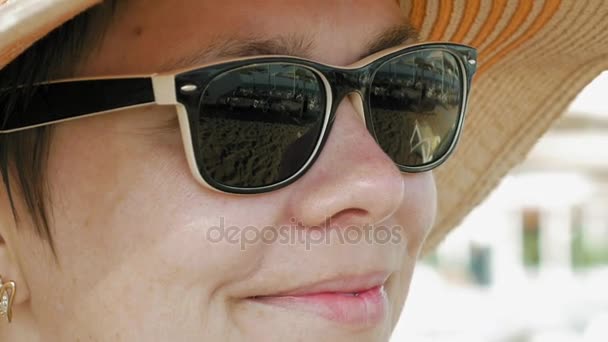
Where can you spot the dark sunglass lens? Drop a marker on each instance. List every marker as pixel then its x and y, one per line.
pixel 416 102
pixel 259 125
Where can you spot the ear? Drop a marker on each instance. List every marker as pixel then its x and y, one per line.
pixel 13 253
pixel 10 269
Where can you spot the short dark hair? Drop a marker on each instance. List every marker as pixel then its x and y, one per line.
pixel 24 154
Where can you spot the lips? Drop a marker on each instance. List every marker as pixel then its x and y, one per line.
pixel 352 300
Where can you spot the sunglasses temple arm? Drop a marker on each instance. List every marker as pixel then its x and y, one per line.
pixel 57 102
pixel 164 89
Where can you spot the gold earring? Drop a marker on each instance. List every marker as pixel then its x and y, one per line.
pixel 7 294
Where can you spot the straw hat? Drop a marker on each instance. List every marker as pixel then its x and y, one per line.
pixel 535 56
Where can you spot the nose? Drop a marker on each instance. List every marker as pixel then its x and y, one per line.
pixel 352 182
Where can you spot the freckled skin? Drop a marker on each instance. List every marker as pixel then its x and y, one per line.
pixel 130 223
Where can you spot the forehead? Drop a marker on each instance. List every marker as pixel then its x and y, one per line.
pixel 147 39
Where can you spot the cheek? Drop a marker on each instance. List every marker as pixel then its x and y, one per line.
pixel 99 180
pixel 126 210
pixel 108 197
pixel 416 217
pixel 419 209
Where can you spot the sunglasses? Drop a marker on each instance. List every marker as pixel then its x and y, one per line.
pixel 256 124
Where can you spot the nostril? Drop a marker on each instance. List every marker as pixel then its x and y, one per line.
pixel 347 216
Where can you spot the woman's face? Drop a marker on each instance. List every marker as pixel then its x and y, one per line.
pixel 145 253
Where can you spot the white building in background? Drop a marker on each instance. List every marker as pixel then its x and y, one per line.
pixel 559 196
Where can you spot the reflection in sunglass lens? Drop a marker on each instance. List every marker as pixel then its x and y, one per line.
pixel 259 124
pixel 415 102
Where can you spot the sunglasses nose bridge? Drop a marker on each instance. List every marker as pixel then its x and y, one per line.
pixel 349 82
pixel 356 100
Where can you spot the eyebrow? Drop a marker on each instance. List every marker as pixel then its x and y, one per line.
pixel 397 35
pixel 291 45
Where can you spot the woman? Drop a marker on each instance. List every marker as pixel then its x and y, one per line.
pixel 173 218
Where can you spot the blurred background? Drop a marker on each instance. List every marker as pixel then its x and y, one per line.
pixel 530 264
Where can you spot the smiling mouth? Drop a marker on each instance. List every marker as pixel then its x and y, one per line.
pixel 359 301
